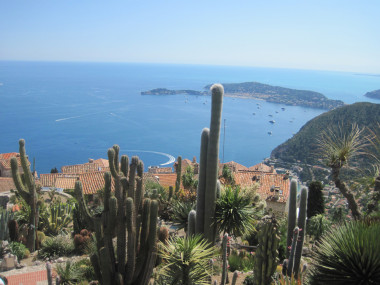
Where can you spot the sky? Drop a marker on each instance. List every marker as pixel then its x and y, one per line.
pixel 341 35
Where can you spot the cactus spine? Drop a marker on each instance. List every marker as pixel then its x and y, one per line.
pixel 124 212
pixel 296 253
pixel 27 189
pixel 266 254
pixel 208 168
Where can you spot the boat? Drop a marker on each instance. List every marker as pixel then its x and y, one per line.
pixel 253 113
pixel 270 133
pixel 283 109
pixel 270 115
pixel 272 121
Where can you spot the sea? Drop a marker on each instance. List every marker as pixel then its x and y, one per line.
pixel 70 112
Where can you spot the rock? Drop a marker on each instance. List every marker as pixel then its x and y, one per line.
pixel 60 260
pixel 8 263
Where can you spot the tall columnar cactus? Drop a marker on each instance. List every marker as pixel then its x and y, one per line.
pixel 208 168
pixel 266 257
pixel 179 170
pixel 224 260
pixel 26 187
pixel 301 224
pixel 292 214
pixel 5 217
pixel 290 262
pixel 131 219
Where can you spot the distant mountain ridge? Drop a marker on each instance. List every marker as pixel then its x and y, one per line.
pixel 301 147
pixel 269 93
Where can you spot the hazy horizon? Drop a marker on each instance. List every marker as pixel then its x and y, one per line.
pixel 323 35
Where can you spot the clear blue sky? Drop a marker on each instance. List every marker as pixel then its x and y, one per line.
pixel 321 34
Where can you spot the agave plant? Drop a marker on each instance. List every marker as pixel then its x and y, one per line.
pixel 185 261
pixel 69 273
pixel 59 219
pixel 180 213
pixel 348 254
pixel 234 213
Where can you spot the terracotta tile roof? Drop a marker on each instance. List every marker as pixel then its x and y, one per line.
pixel 65 182
pixel 103 162
pixel 49 179
pixel 166 179
pixel 6 184
pixel 6 163
pixel 234 166
pixel 92 182
pixel 83 168
pixel 267 181
pixel 262 167
pixel 9 155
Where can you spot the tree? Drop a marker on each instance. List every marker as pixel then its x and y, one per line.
pixel 338 148
pixel 315 202
pixel 228 175
pixel 54 170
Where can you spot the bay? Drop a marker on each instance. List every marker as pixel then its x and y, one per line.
pixel 69 112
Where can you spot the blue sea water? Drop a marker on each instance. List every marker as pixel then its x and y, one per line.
pixel 70 112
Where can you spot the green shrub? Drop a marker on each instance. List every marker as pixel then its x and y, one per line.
pixel 69 273
pixel 19 250
pixel 348 254
pixel 61 245
pixel 241 262
pixel 180 213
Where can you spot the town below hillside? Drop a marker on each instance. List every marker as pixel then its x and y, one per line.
pixel 260 91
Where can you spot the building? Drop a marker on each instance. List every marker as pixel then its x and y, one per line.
pixel 5 163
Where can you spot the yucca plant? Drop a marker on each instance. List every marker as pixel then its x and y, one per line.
pixel 348 254
pixel 234 213
pixel 185 261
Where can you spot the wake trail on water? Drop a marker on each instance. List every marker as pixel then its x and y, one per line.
pixel 171 158
pixel 80 116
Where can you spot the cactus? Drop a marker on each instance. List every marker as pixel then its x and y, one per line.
pixel 124 212
pixel 290 263
pixel 26 187
pixel 208 168
pixel 13 230
pixel 191 223
pixel 225 260
pixel 292 215
pixel 5 217
pixel 170 193
pixel 266 257
pixel 235 277
pixel 179 170
pixel 48 272
pixel 295 246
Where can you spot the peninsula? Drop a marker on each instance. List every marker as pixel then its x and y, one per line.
pixel 373 94
pixel 260 91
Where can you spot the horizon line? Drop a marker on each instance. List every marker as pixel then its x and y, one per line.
pixel 189 64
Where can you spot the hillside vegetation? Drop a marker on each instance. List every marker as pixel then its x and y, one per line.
pixel 302 146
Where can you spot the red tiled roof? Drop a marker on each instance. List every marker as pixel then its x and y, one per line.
pixel 92 182
pixel 266 181
pixel 83 168
pixel 166 179
pixel 103 162
pixel 6 184
pixel 65 182
pixel 262 167
pixel 49 179
pixel 8 155
pixel 234 166
pixel 6 163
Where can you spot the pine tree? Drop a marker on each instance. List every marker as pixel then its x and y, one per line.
pixel 315 202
